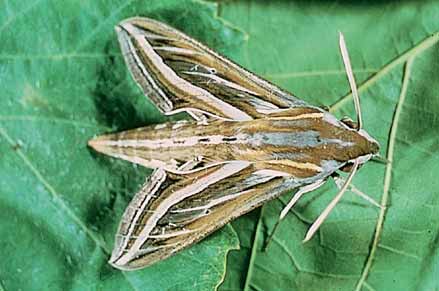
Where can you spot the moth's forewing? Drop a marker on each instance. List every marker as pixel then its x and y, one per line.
pixel 177 72
pixel 171 213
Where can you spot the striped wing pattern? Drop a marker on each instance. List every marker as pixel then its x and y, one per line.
pixel 179 74
pixel 171 212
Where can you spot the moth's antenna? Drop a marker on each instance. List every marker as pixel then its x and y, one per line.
pixel 348 68
pixel 315 226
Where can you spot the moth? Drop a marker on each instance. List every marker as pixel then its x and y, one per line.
pixel 247 142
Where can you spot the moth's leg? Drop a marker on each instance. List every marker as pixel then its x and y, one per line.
pixel 349 122
pixel 315 226
pixel 287 208
pixel 339 181
pixel 189 165
pixel 198 116
pixel 298 195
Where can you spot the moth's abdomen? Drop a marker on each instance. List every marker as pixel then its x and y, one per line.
pixel 169 145
pixel 152 146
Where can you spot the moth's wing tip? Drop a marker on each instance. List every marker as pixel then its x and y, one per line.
pixel 93 143
pixel 135 19
pixel 122 262
pixel 127 20
pixel 118 28
pixel 130 25
pixel 123 25
pixel 115 262
pixel 119 267
pixel 126 23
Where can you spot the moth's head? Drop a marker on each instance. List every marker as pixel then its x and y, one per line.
pixel 374 146
pixel 373 143
pixel 371 150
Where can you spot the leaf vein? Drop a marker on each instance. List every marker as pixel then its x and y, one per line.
pixel 101 25
pixel 414 51
pixel 52 119
pixel 399 252
pixel 251 262
pixel 54 193
pixel 368 286
pixel 318 73
pixel 57 56
pixel 387 176
pixel 99 242
pixel 11 19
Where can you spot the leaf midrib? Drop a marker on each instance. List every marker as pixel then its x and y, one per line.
pixel 387 175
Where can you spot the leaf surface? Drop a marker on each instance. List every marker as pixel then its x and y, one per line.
pixel 63 81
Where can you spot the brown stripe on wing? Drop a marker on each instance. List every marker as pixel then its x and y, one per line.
pixel 193 217
pixel 147 64
pixel 140 240
pixel 192 62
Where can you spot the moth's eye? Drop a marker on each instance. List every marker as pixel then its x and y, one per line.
pixel 349 122
pixel 348 167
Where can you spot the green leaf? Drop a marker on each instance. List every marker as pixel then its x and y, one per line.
pixel 394 53
pixel 63 81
